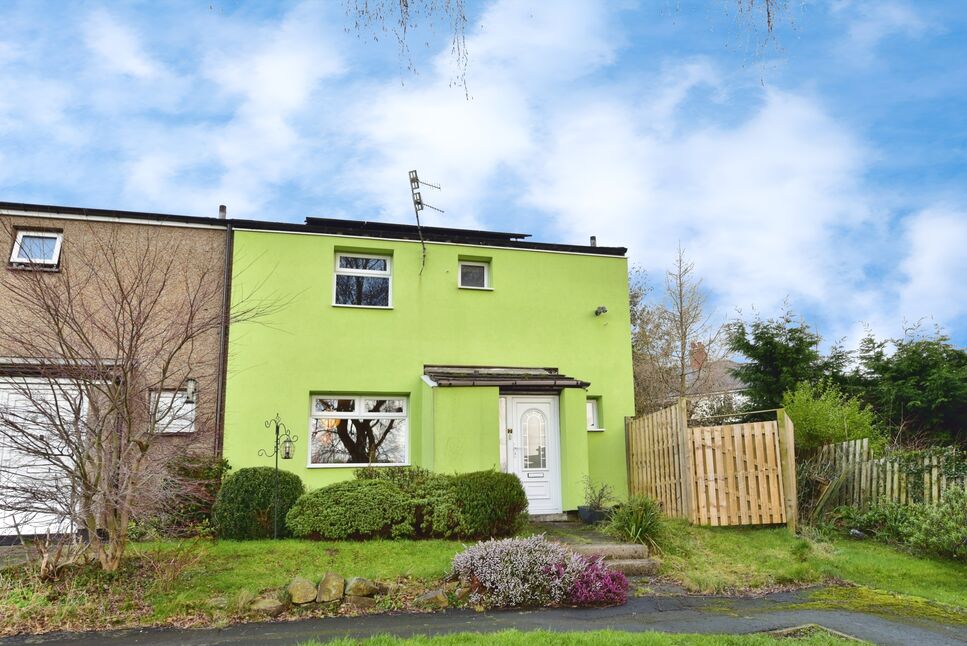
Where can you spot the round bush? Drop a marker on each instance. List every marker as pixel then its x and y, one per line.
pixel 488 503
pixel 244 506
pixel 353 509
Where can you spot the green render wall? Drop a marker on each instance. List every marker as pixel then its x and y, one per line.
pixel 540 313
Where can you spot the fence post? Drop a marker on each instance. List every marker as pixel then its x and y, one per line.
pixel 629 463
pixel 685 458
pixel 787 448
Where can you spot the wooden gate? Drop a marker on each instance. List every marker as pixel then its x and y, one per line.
pixel 732 474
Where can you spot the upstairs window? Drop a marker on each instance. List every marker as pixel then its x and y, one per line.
pixel 474 275
pixel 363 281
pixel 36 248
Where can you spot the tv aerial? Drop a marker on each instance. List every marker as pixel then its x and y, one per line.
pixel 418 205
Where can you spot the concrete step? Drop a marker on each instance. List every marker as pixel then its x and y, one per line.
pixel 611 551
pixel 635 567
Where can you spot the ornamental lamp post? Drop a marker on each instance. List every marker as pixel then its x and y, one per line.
pixel 283 445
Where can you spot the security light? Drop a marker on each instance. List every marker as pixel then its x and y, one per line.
pixel 601 310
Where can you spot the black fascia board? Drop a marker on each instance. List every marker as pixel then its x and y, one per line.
pixel 111 213
pixel 409 232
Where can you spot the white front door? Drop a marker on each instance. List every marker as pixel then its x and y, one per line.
pixel 532 449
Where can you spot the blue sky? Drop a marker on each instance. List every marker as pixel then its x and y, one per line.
pixel 827 168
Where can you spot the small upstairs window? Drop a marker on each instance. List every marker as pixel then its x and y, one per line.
pixel 594 414
pixel 36 248
pixel 363 281
pixel 474 275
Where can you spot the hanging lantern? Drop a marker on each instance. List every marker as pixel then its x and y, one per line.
pixel 287 448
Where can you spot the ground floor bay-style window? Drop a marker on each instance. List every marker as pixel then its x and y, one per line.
pixel 357 429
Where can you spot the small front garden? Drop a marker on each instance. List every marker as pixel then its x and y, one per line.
pixel 360 557
pixel 597 638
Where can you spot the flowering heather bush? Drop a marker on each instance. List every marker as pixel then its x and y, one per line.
pixel 598 585
pixel 536 572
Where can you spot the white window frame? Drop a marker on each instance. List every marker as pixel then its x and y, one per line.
pixel 593 406
pixel 474 263
pixel 18 259
pixel 190 405
pixel 341 271
pixel 359 413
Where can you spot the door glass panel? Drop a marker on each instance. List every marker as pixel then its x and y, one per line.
pixel 534 427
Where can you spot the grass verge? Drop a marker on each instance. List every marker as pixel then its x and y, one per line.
pixel 516 638
pixel 204 583
pixel 729 560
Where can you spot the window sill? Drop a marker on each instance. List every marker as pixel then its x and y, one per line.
pixel 364 307
pixel 476 289
pixel 595 430
pixel 357 465
pixel 23 266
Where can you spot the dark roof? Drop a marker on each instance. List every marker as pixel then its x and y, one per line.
pixel 361 228
pixel 111 213
pixel 524 379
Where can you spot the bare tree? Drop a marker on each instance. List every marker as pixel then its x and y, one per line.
pixel 676 345
pixel 400 18
pixel 110 350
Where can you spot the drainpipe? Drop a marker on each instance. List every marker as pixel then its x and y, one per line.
pixel 223 335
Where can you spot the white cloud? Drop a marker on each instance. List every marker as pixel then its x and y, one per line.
pixel 118 48
pixel 872 22
pixel 935 265
pixel 273 77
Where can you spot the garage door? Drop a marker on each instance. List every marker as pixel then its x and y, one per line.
pixel 18 470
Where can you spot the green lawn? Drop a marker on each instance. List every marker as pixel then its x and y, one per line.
pixel 611 638
pixel 720 559
pixel 204 583
pixel 226 568
pixel 211 583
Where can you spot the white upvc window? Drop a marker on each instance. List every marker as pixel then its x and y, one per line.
pixel 173 411
pixel 363 280
pixel 593 407
pixel 474 275
pixel 37 248
pixel 358 430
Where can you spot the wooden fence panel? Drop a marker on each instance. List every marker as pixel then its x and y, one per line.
pixel 712 475
pixel 867 481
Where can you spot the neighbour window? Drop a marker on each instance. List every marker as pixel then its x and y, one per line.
pixel 40 248
pixel 357 429
pixel 594 419
pixel 173 411
pixel 475 275
pixel 363 281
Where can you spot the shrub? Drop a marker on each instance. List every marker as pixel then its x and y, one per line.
pixel 244 505
pixel 598 585
pixel 533 571
pixel 200 479
pixel 488 503
pixel 942 529
pixel 432 497
pixel 822 414
pixel 889 522
pixel 353 509
pixel 411 480
pixel 638 521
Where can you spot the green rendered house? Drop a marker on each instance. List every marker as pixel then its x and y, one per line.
pixel 469 350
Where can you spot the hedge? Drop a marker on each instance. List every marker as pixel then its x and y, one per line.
pixel 244 506
pixel 401 502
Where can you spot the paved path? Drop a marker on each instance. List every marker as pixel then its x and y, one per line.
pixel 667 614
